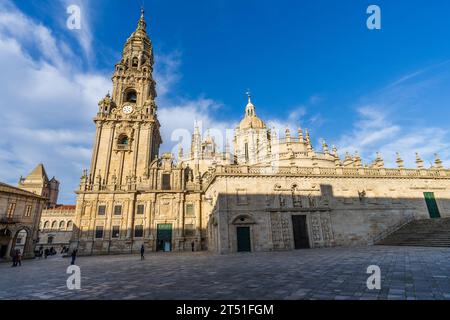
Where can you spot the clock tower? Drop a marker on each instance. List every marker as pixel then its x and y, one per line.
pixel 127 128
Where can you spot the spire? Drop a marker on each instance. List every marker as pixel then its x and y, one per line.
pixel 249 95
pixel 38 173
pixel 288 134
pixel 251 121
pixel 379 162
pixel 250 109
pixel 300 135
pixel 325 147
pixel 438 161
pixel 334 151
pixel 142 25
pixel 357 160
pixel 400 163
pixel 419 161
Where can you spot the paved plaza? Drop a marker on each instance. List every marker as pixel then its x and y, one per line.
pixel 335 273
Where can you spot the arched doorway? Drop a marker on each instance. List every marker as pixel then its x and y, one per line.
pixel 5 239
pixel 21 241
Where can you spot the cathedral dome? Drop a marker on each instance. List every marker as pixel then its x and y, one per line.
pixel 251 121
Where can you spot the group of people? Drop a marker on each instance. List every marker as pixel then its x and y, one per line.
pixel 17 257
pixel 49 252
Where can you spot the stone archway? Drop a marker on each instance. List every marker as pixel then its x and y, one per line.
pixel 26 245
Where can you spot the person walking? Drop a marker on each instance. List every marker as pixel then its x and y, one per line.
pixel 193 246
pixel 14 258
pixel 142 252
pixel 19 258
pixel 74 256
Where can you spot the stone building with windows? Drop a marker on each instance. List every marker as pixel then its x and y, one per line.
pixel 56 226
pixel 56 221
pixel 272 193
pixel 20 212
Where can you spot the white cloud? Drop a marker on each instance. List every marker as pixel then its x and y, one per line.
pixel 83 35
pixel 379 129
pixel 46 105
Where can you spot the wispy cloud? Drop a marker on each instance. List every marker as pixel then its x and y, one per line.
pixel 47 102
pixel 84 34
pixel 384 124
pixel 55 99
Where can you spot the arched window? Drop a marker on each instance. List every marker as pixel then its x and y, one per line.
pixel 54 225
pixel 123 140
pixel 131 96
pixel 62 225
pixel 46 224
pixel 69 225
pixel 135 62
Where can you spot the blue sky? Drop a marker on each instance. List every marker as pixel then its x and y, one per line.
pixel 308 63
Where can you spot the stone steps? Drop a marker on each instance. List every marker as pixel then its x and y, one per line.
pixel 421 233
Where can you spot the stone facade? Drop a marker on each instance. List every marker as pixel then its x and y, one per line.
pixel 20 212
pixel 56 227
pixel 273 193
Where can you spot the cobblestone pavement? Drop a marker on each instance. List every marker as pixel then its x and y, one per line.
pixel 335 273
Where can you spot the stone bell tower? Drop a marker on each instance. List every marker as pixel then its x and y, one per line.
pixel 127 128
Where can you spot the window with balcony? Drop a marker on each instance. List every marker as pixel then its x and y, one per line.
pixel 123 143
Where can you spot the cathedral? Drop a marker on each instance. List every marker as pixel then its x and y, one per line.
pixel 269 193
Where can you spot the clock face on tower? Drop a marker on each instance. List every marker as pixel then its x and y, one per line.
pixel 127 109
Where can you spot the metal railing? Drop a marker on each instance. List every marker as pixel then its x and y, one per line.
pixel 392 229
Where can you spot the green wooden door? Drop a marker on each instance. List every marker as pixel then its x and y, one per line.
pixel 433 209
pixel 243 239
pixel 164 237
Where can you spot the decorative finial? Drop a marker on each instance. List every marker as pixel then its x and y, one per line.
pixel 400 163
pixel 438 161
pixel 249 95
pixel 300 134
pixel 325 147
pixel 419 161
pixel 142 24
